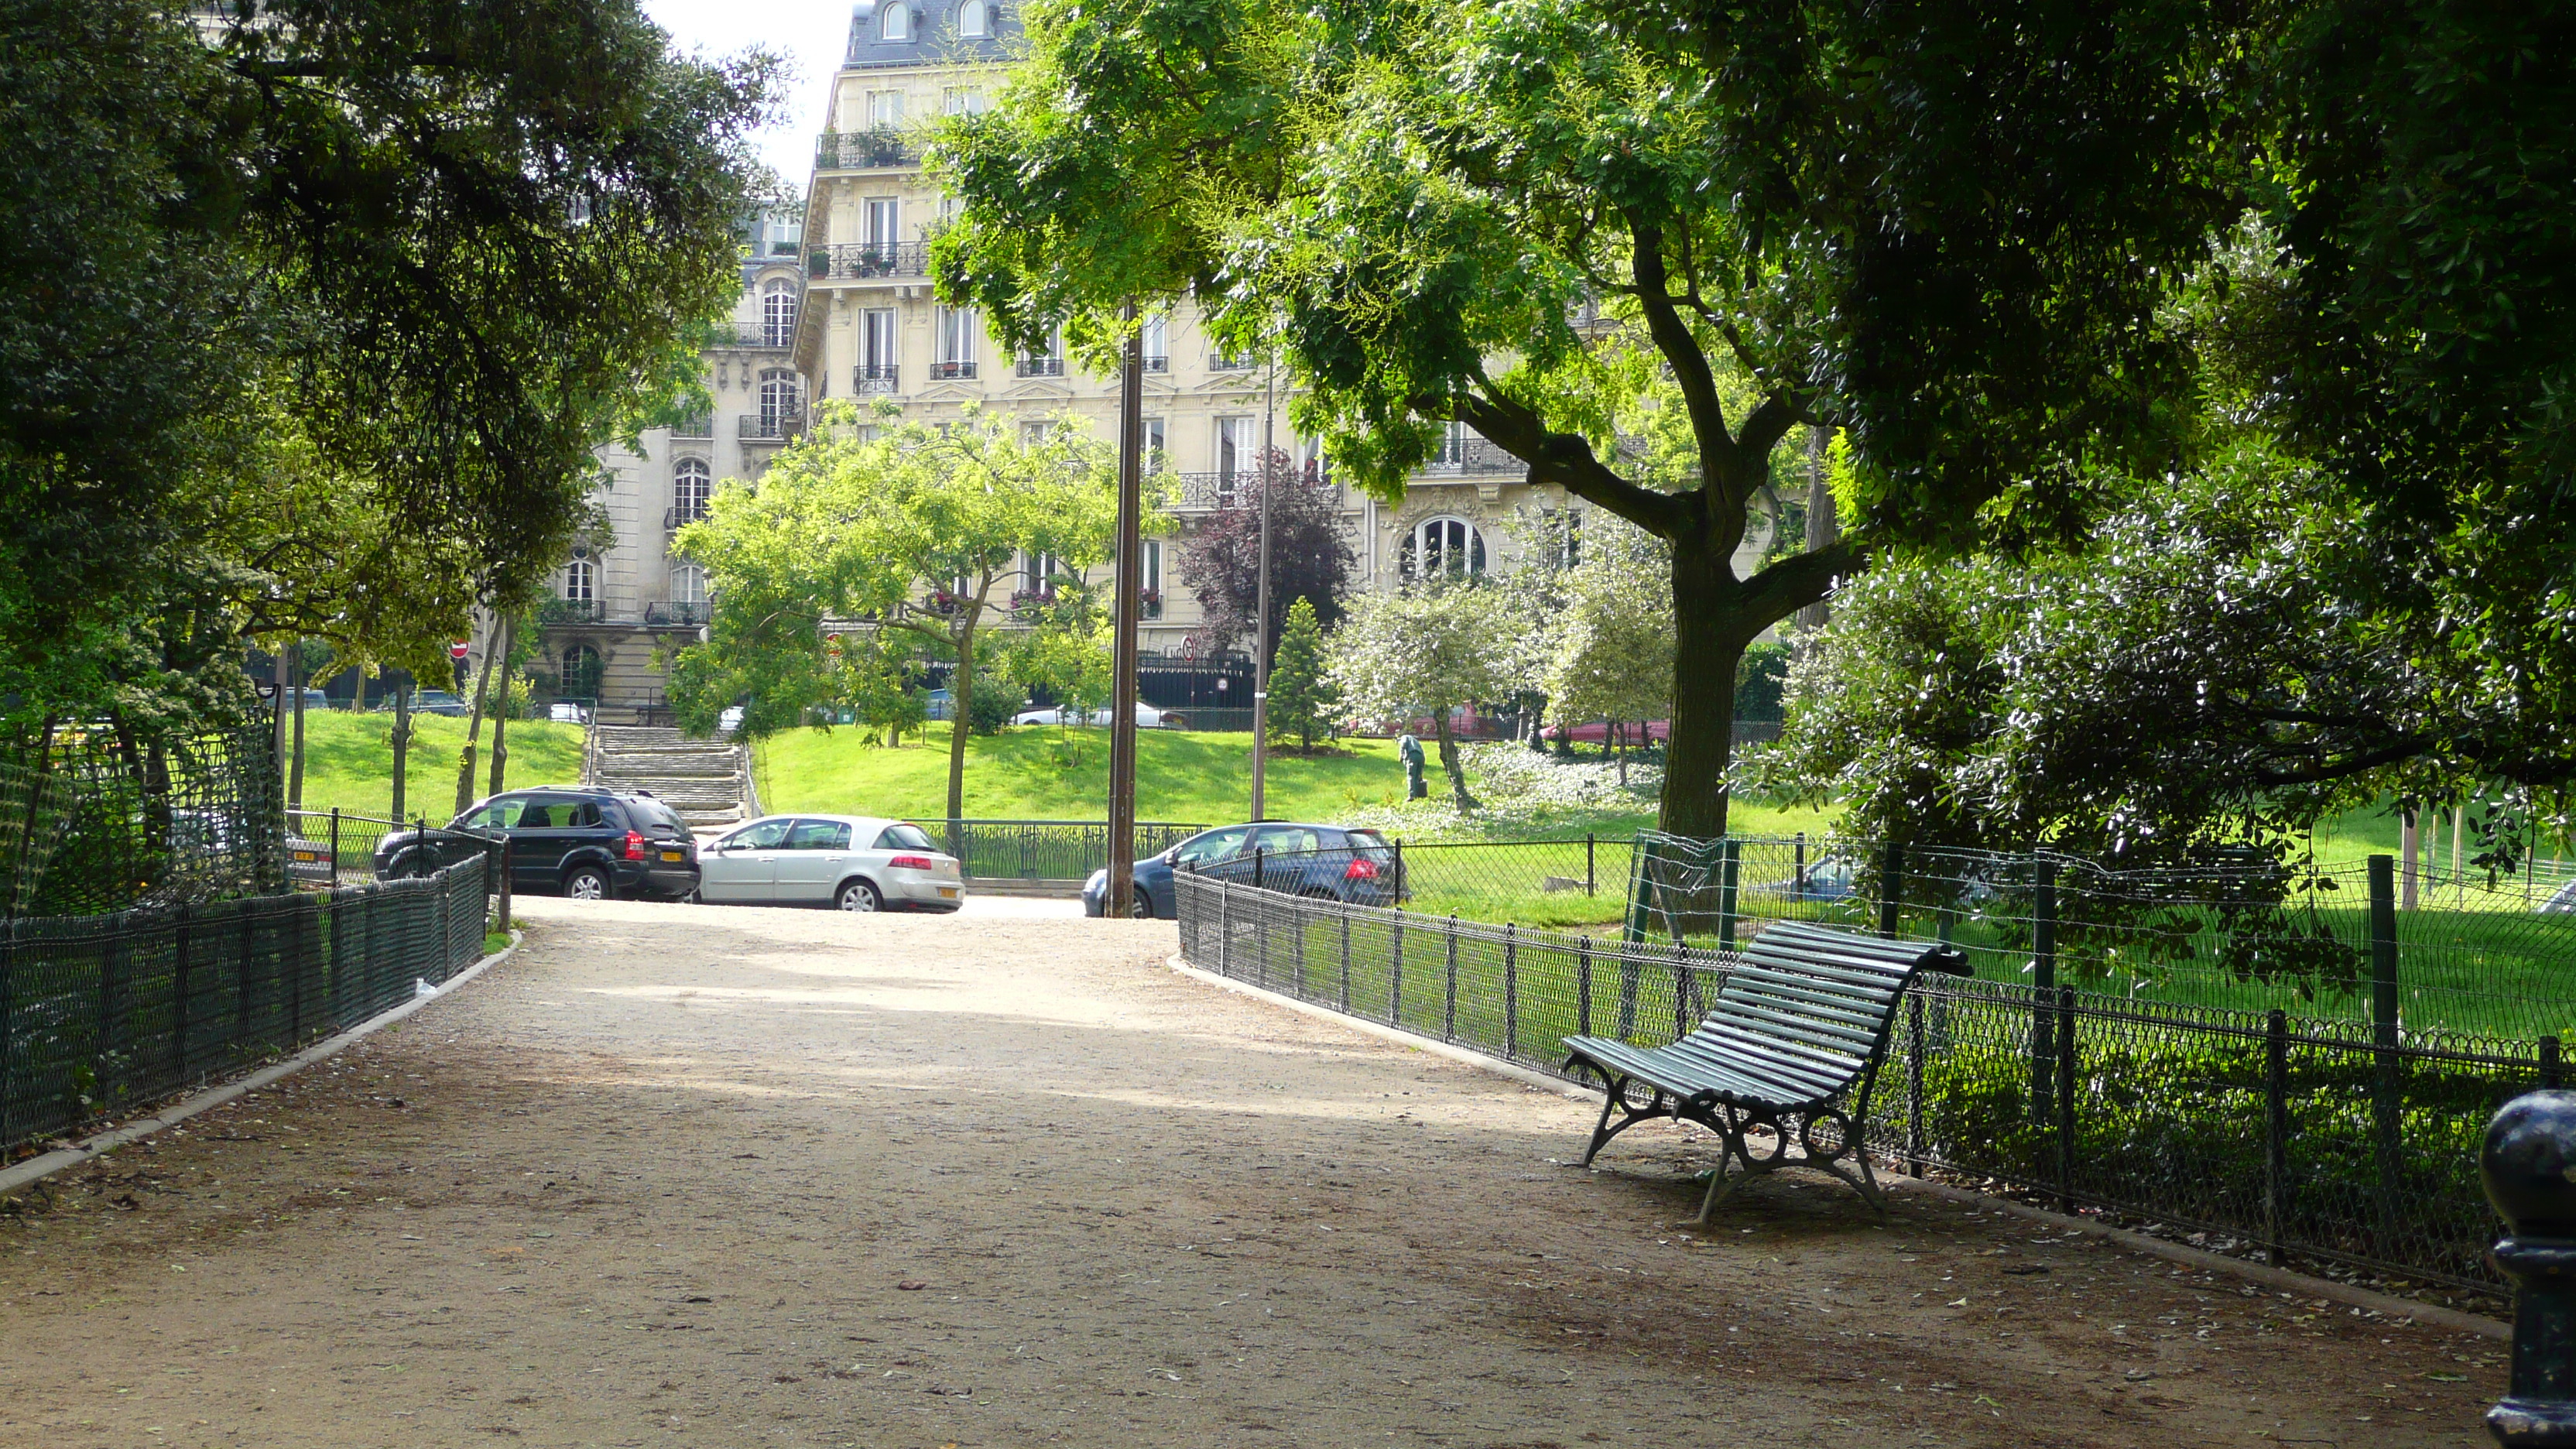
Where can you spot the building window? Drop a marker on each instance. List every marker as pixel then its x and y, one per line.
pixel 1237 454
pixel 1039 571
pixel 582 672
pixel 962 100
pixel 1444 547
pixel 877 372
pixel 1452 448
pixel 778 313
pixel 1312 466
pixel 1034 435
pixel 1153 445
pixel 1158 343
pixel 692 483
pixel 1149 577
pixel 581 581
pixel 688 584
pixel 885 110
pixel 957 329
pixel 882 223
pixel 778 408
pixel 895 23
pixel 1048 360
pixel 975 20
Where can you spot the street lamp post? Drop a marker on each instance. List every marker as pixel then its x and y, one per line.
pixel 1122 687
pixel 1261 605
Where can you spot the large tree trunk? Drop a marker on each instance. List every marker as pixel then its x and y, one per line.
pixel 501 710
pixel 961 692
pixel 1449 761
pixel 474 721
pixel 1711 629
pixel 1823 524
pixel 401 742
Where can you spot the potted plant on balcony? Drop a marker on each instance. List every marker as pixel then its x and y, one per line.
pixel 942 602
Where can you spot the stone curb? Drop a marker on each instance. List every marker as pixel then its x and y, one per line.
pixel 35 1168
pixel 2282 1279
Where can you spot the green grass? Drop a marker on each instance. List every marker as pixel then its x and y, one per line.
pixel 349 761
pixel 1047 773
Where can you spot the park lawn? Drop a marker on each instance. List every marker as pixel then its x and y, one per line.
pixel 348 761
pixel 1043 772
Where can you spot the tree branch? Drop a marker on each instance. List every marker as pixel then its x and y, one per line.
pixel 1672 336
pixel 1567 460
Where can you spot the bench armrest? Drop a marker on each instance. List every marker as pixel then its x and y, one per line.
pixel 1949 961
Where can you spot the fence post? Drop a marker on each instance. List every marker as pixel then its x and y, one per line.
pixel 1449 1014
pixel 1395 974
pixel 506 864
pixel 2066 1099
pixel 2043 988
pixel 1914 1082
pixel 1589 878
pixel 1891 888
pixel 2548 1061
pixel 335 845
pixel 1583 986
pixel 1511 990
pixel 241 974
pixel 2383 1031
pixel 1799 892
pixel 1732 851
pixel 1259 854
pixel 1399 872
pixel 2522 1163
pixel 1224 930
pixel 2276 1133
pixel 1632 932
pixel 8 1021
pixel 1345 914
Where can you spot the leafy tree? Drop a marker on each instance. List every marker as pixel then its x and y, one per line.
pixel 312 313
pixel 1428 650
pixel 919 532
pixel 1944 229
pixel 1611 655
pixel 1302 698
pixel 1310 558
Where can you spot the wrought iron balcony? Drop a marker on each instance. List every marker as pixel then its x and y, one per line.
pixel 679 613
pixel 858 150
pixel 1041 367
pixel 863 260
pixel 1476 458
pixel 870 377
pixel 697 425
pixel 1158 362
pixel 753 334
pixel 770 427
pixel 572 611
pixel 676 518
pixel 1229 364
pixel 943 370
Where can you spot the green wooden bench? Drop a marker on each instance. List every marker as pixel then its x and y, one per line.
pixel 1793 1040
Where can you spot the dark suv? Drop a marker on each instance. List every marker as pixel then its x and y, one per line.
pixel 588 844
pixel 1309 860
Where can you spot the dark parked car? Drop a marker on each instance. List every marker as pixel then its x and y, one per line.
pixel 1310 860
pixel 588 844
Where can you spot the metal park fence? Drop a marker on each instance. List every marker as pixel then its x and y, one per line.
pixel 343 842
pixel 101 1013
pixel 2065 1069
pixel 1043 850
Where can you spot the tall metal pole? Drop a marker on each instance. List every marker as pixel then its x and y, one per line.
pixel 1124 610
pixel 1261 619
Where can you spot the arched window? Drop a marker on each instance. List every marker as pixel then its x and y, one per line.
pixel 975 19
pixel 692 483
pixel 581 672
pixel 1449 547
pixel 894 23
pixel 778 313
pixel 581 581
pixel 688 584
pixel 777 401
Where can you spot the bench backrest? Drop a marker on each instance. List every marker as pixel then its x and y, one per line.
pixel 1810 1007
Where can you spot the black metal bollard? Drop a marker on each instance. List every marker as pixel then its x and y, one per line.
pixel 2529 1164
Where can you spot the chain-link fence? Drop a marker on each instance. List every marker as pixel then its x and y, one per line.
pixel 332 845
pixel 2335 1139
pixel 1044 850
pixel 99 819
pixel 101 1013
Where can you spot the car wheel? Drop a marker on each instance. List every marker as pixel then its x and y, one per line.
pixel 1142 908
pixel 586 883
pixel 858 895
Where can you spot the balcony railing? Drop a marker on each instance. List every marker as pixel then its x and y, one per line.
pixel 752 334
pixel 1158 362
pixel 870 377
pixel 770 427
pixel 1229 364
pixel 676 613
pixel 572 611
pixel 943 370
pixel 675 519
pixel 697 425
pixel 1474 457
pixel 855 150
pixel 1041 367
pixel 844 260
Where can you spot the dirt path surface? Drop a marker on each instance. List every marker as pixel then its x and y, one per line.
pixel 683 1175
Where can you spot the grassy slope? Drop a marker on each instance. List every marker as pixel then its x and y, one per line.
pixel 1040 773
pixel 348 761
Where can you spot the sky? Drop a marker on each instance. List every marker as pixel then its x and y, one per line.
pixel 810 33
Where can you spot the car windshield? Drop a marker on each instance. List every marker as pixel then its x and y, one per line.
pixel 1369 843
pixel 759 835
pixel 904 837
pixel 499 814
pixel 1214 845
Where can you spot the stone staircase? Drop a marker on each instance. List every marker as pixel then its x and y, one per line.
pixel 707 781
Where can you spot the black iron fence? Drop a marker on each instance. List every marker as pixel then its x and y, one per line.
pixel 99 1014
pixel 1044 850
pixel 2344 1139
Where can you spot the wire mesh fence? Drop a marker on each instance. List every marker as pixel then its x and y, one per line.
pixel 328 846
pixel 99 1013
pixel 2332 1139
pixel 99 819
pixel 1044 850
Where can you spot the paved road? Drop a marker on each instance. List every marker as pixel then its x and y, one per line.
pixel 686 1175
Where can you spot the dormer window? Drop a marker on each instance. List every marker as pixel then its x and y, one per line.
pixel 894 23
pixel 975 20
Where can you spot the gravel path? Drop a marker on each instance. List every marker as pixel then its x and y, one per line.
pixel 688 1175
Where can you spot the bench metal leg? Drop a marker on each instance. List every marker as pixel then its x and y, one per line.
pixel 1732 1125
pixel 1615 1098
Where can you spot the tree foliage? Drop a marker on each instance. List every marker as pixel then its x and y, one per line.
pixel 1310 559
pixel 1303 703
pixel 312 313
pixel 918 534
pixel 1425 651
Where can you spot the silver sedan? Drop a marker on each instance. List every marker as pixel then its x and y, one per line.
pixel 854 862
